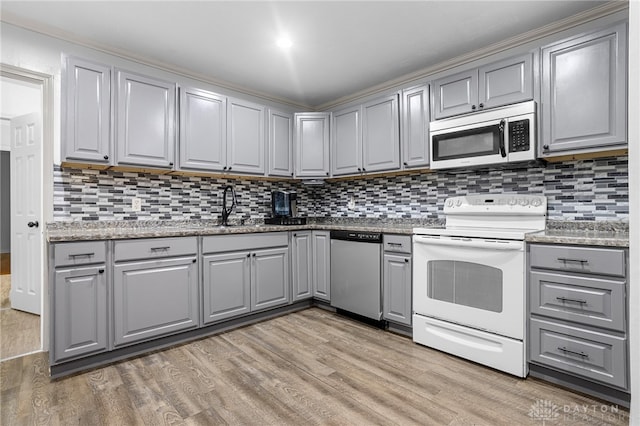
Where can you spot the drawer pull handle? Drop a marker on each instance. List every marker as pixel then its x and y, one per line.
pixel 570 352
pixel 160 248
pixel 74 255
pixel 395 244
pixel 568 260
pixel 564 300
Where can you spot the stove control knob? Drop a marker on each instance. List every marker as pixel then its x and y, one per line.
pixel 512 201
pixel 449 203
pixel 536 202
pixel 458 202
pixel 523 202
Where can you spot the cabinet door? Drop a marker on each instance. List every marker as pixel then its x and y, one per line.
pixel 397 288
pixel 145 121
pixel 381 135
pixel 321 265
pixel 87 108
pixel 415 127
pixel 203 124
pixel 152 299
pixel 280 144
pixel 455 94
pixel 269 278
pixel 79 312
pixel 302 265
pixel 506 82
pixel 346 142
pixel 584 87
pixel 312 144
pixel 245 137
pixel 226 286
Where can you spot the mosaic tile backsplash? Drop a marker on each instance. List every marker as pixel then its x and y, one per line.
pixel 586 190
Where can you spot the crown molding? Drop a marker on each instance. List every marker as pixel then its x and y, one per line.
pixel 59 34
pixel 536 34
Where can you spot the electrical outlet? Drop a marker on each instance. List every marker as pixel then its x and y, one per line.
pixel 352 203
pixel 136 204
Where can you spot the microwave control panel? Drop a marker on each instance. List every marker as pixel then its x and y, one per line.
pixel 519 136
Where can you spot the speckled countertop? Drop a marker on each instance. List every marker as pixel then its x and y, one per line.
pixel 115 230
pixel 610 234
pixel 613 234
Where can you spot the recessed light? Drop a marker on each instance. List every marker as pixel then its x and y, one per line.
pixel 284 42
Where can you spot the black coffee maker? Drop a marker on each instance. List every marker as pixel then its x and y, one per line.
pixel 284 209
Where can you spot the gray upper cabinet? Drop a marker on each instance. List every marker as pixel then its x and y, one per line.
pixel 584 89
pixel 245 137
pixel 145 121
pixel 496 84
pixel 346 142
pixel 301 265
pixel 312 144
pixel 280 143
pixel 87 108
pixel 381 134
pixel 415 127
pixel 455 94
pixel 203 125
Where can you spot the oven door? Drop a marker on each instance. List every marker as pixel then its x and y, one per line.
pixel 473 282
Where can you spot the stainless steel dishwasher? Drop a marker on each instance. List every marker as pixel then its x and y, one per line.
pixel 356 273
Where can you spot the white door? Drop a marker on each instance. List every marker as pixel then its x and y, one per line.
pixel 26 213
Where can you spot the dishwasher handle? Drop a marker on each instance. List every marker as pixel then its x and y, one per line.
pixel 469 242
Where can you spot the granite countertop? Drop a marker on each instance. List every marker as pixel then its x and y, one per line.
pixel 612 234
pixel 115 230
pixel 605 233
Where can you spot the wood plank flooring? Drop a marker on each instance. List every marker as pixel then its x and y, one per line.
pixel 310 367
pixel 19 331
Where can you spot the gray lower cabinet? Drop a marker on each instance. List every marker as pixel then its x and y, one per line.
pixel 578 316
pixel 397 283
pixel 301 265
pixel 321 267
pixel 584 93
pixel 244 273
pixel 155 288
pixel 79 300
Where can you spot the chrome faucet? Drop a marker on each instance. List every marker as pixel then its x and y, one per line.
pixel 227 211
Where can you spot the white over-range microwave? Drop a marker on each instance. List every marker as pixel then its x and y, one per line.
pixel 497 136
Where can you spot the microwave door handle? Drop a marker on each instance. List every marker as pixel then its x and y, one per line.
pixel 501 126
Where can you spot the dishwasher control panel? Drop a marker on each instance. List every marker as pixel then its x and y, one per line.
pixel 365 237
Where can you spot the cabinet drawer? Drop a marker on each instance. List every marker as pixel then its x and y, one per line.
pixel 397 243
pixel 593 355
pixel 585 300
pixel 579 259
pixel 80 253
pixel 227 243
pixel 154 248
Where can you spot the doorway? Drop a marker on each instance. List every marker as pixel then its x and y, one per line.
pixel 25 115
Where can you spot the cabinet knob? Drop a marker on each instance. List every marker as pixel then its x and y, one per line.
pixel 170 164
pixel 101 271
pixel 364 170
pixel 406 261
pixel 224 168
pixel 406 164
pixel 106 157
pixel 254 255
pixel 249 255
pixel 193 261
pixel 327 173
pixel 295 235
pixel 359 169
pixel 291 174
pixel 545 147
pixel 33 224
pixel 229 168
pixel 473 107
pixel 481 105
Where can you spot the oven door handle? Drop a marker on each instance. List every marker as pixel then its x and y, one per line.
pixel 468 242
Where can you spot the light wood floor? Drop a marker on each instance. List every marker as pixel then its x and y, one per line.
pixel 19 331
pixel 311 367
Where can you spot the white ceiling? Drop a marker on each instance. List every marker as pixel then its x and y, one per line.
pixel 339 47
